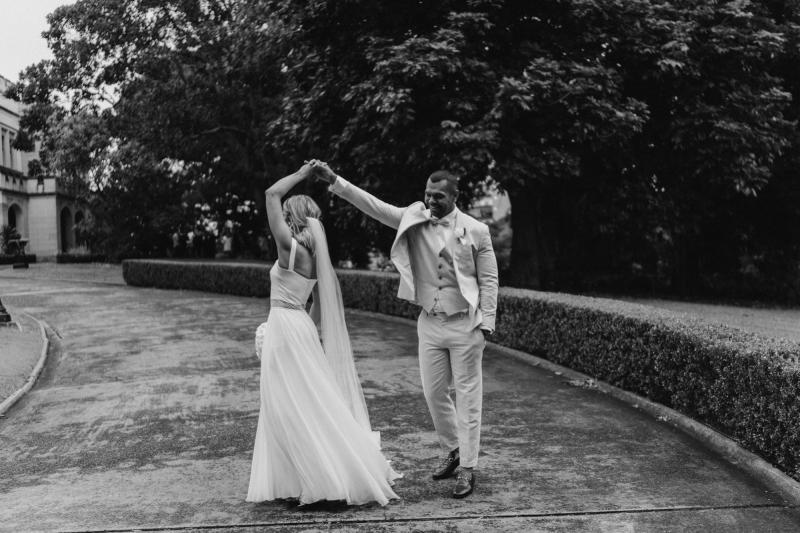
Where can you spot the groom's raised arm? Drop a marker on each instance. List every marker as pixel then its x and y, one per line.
pixel 368 204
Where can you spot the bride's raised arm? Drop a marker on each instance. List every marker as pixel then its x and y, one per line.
pixel 277 225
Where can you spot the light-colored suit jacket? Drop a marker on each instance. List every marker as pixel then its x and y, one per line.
pixel 473 255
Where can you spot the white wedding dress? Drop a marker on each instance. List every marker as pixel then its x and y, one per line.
pixel 309 444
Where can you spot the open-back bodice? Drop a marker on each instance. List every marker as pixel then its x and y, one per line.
pixel 287 286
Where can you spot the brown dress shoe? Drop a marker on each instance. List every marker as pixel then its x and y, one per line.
pixel 448 466
pixel 465 482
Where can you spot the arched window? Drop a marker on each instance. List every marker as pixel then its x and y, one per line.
pixel 15 217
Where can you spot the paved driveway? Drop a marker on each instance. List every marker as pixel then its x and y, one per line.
pixel 146 415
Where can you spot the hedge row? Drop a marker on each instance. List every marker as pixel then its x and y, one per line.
pixel 10 259
pixel 243 279
pixel 80 258
pixel 745 386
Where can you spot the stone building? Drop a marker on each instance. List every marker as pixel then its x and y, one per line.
pixel 38 207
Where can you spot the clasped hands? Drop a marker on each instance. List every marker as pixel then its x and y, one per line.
pixel 318 170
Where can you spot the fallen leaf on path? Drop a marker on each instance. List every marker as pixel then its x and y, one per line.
pixel 585 383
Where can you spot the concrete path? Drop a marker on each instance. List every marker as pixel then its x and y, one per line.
pixel 146 414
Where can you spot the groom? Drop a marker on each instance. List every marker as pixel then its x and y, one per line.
pixel 448 267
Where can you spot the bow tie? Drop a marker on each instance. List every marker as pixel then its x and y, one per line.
pixel 439 222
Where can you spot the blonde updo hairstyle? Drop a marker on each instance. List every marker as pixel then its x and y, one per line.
pixel 296 210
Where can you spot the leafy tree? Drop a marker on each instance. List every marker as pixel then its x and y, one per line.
pixel 665 103
pixel 155 86
pixel 720 121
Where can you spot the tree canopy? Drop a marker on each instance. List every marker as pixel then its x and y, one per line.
pixel 170 100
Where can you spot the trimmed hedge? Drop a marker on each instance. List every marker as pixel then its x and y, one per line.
pixel 242 279
pixel 80 258
pixel 374 291
pixel 10 259
pixel 745 386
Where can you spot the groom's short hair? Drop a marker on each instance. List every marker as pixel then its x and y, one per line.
pixel 440 175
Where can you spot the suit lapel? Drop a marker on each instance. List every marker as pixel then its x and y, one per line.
pixel 463 261
pixel 459 241
pixel 414 215
pixel 400 255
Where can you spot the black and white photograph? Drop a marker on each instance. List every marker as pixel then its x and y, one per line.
pixel 400 266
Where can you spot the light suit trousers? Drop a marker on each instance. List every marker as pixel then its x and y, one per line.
pixel 450 356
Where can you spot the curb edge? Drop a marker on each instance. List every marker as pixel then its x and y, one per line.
pixel 37 370
pixel 712 439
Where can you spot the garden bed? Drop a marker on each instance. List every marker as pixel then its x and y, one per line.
pixel 80 258
pixel 10 259
pixel 743 385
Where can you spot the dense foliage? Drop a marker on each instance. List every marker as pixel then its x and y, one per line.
pixel 80 258
pixel 746 386
pixel 645 144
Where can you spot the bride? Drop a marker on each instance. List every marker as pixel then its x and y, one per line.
pixel 314 441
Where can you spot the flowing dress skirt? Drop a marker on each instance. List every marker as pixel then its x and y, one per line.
pixel 308 445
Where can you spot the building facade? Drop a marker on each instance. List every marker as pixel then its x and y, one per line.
pixel 38 207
